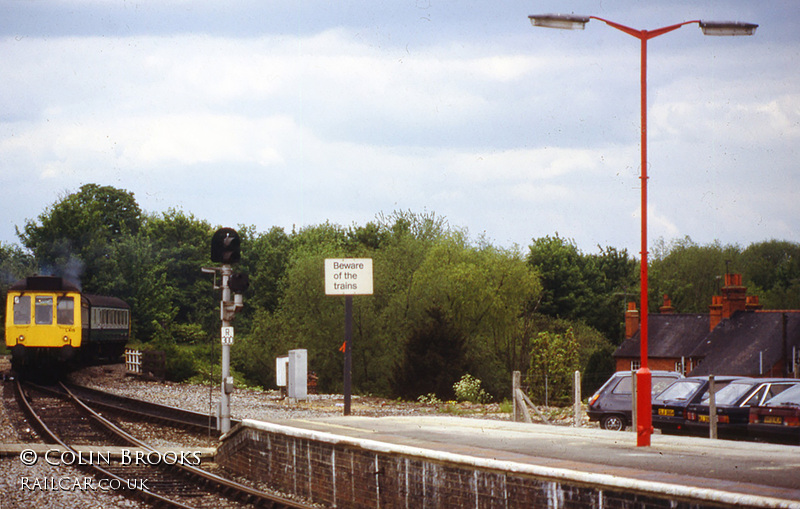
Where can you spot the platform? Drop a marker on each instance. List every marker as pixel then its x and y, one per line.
pixel 766 475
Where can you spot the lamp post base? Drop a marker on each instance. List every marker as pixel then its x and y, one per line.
pixel 644 407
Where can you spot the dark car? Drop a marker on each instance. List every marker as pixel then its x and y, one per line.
pixel 733 404
pixel 611 404
pixel 669 406
pixel 778 420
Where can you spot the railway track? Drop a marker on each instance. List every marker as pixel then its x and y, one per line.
pixel 163 479
pixel 153 412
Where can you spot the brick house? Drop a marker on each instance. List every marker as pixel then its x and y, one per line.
pixel 736 337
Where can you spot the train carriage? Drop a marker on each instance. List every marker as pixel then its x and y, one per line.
pixel 49 320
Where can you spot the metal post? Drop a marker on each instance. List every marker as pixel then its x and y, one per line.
pixel 225 401
pixel 644 409
pixel 348 351
pixel 577 403
pixel 634 397
pixel 712 408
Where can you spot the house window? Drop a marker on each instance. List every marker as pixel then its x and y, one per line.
pixel 635 365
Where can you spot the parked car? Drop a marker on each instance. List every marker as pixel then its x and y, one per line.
pixel 778 420
pixel 733 403
pixel 611 404
pixel 669 406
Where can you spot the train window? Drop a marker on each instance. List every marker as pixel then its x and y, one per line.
pixel 65 311
pixel 22 310
pixel 43 310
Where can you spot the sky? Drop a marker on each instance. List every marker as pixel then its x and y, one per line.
pixel 294 113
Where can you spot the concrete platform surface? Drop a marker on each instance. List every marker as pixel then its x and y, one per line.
pixel 756 469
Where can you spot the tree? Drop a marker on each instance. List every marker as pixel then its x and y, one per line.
pixel 576 286
pixel 554 360
pixel 433 359
pixel 140 279
pixel 559 263
pixel 483 291
pixel 180 245
pixel 689 273
pixel 266 258
pixel 772 271
pixel 72 237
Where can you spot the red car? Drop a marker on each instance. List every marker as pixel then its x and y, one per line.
pixel 778 420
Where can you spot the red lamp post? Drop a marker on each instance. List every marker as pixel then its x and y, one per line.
pixel 644 417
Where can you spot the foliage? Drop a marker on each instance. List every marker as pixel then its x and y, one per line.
pixel 688 273
pixel 773 273
pixel 554 360
pixel 429 399
pixel 469 389
pixel 71 238
pixel 444 305
pixel 432 361
pixel 589 288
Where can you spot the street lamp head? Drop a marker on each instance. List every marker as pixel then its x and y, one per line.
pixel 562 21
pixel 727 28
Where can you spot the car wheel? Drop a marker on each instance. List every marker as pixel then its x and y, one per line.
pixel 613 423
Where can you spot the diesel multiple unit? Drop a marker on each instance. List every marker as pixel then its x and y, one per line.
pixel 49 320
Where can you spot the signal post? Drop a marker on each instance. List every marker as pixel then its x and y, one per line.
pixel 225 249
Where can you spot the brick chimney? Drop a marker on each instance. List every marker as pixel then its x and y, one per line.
pixel 734 295
pixel 734 298
pixel 752 303
pixel 715 311
pixel 631 320
pixel 666 308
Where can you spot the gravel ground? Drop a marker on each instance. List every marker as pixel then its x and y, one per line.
pixel 264 405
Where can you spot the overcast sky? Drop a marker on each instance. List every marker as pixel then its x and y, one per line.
pixel 299 112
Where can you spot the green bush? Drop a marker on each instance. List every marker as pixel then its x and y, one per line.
pixel 469 389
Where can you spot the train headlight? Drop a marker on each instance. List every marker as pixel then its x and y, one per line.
pixel 21 339
pixel 65 339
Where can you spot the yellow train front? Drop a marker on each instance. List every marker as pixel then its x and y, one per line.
pixel 49 322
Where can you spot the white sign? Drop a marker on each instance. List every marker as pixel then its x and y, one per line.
pixel 227 335
pixel 348 276
pixel 281 369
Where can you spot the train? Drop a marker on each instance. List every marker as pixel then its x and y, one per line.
pixel 51 323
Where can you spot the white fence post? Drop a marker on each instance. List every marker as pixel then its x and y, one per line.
pixel 133 361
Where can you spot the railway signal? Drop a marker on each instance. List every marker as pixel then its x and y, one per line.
pixel 225 249
pixel 225 246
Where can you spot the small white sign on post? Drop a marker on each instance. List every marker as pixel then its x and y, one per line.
pixel 281 370
pixel 348 276
pixel 227 335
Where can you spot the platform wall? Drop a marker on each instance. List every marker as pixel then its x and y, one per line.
pixel 340 472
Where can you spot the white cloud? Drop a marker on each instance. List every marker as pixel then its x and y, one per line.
pixel 515 131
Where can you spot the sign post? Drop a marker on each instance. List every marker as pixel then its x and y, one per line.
pixel 348 277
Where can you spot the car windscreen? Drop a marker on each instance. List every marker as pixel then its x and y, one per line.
pixel 680 390
pixel 659 383
pixel 729 394
pixel 789 397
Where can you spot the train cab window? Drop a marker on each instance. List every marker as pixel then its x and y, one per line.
pixel 43 310
pixel 65 311
pixel 22 310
